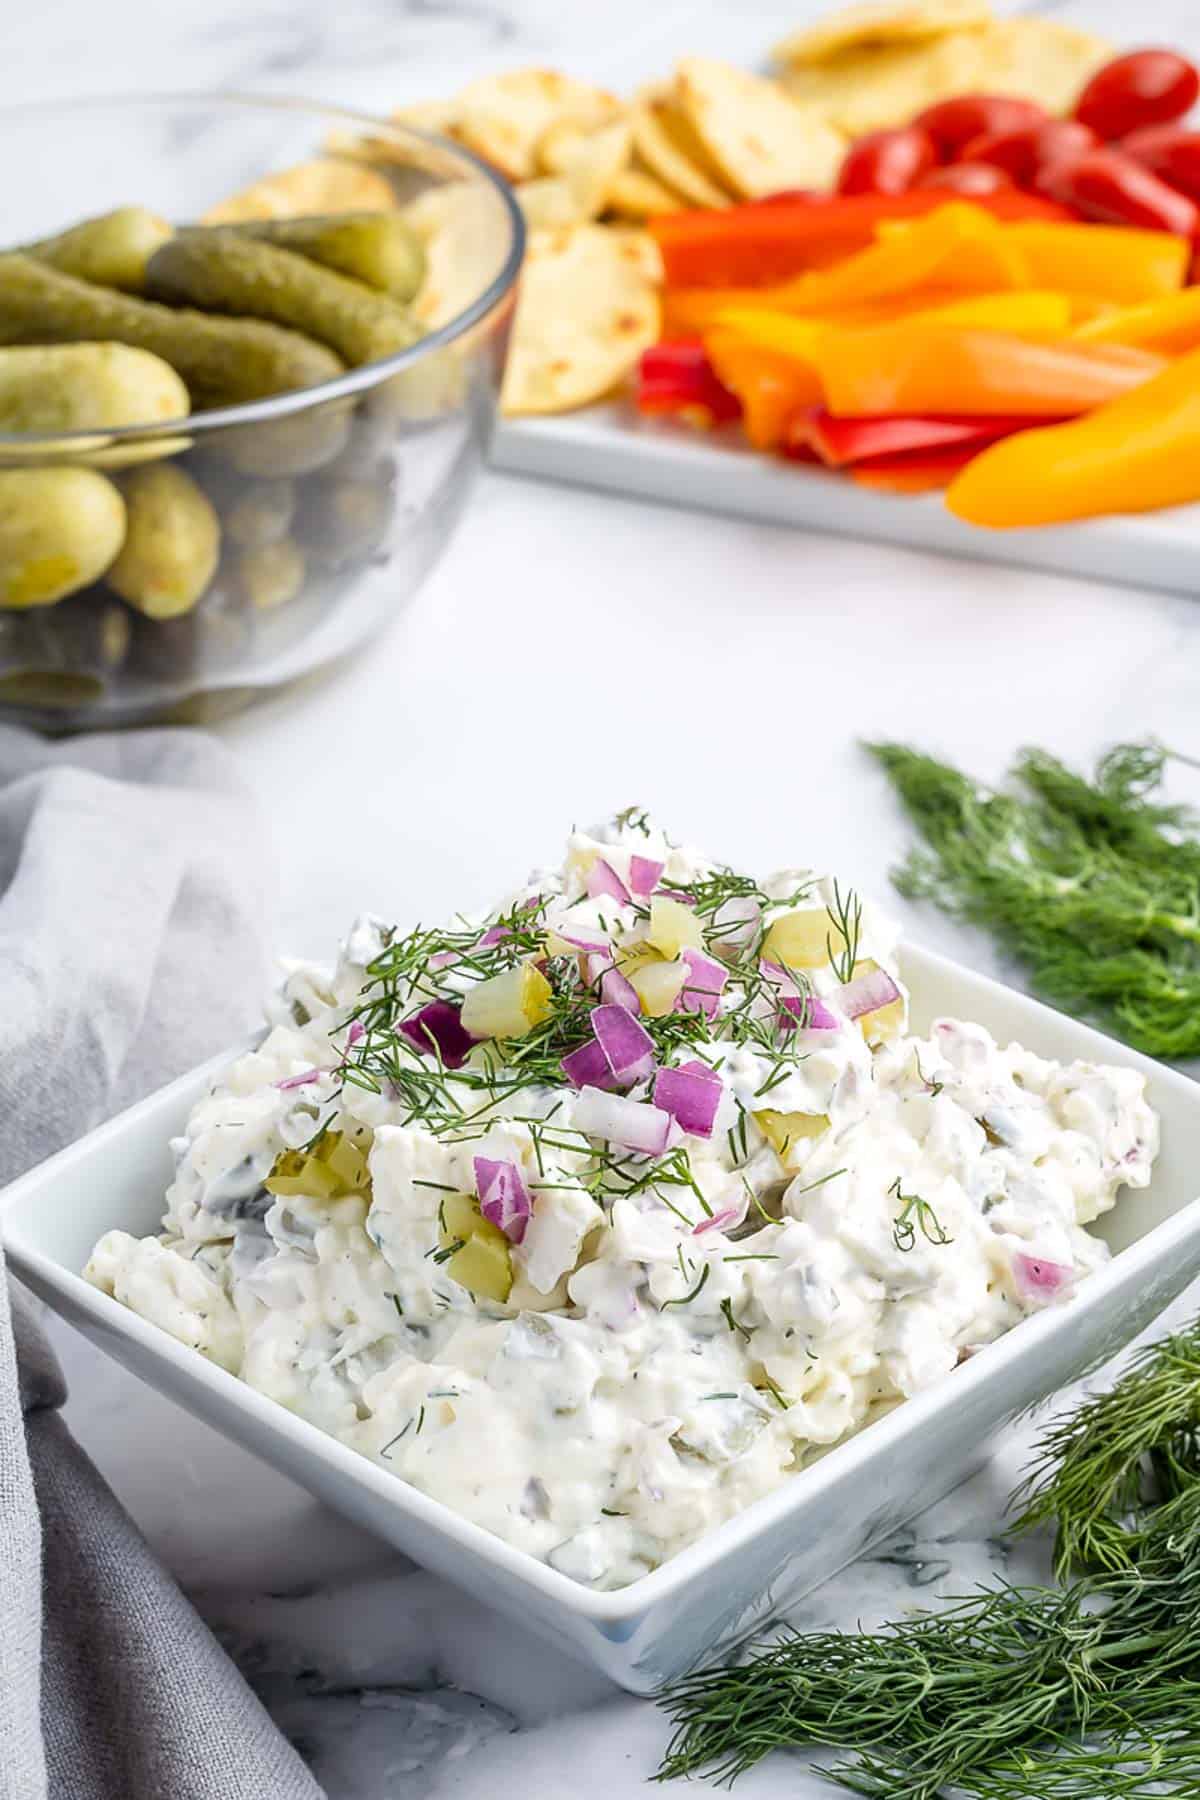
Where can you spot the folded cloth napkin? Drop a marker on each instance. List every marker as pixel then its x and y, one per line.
pixel 130 893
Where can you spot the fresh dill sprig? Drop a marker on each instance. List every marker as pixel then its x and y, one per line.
pixel 845 915
pixel 915 1215
pixel 1090 1691
pixel 1093 884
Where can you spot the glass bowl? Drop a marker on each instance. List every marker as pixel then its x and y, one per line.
pixel 333 502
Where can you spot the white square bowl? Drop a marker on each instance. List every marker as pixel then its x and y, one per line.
pixel 712 1595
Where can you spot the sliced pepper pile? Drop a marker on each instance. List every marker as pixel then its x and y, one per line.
pixel 1037 367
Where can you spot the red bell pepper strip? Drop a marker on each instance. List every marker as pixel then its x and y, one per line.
pixel 751 245
pixel 677 377
pixel 842 441
pixel 918 472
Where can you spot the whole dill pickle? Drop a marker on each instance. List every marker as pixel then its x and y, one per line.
pixel 221 272
pixel 222 361
pixel 171 545
pixel 112 250
pixel 270 575
pixel 81 387
pixel 60 528
pixel 378 248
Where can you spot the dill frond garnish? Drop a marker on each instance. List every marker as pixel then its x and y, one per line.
pixel 1088 1691
pixel 1093 885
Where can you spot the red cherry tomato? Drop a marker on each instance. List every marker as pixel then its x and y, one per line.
pixel 1115 189
pixel 887 162
pixel 968 178
pixel 953 123
pixel 1147 87
pixel 1024 153
pixel 1170 153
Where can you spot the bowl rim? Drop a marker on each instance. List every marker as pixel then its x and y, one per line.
pixel 353 381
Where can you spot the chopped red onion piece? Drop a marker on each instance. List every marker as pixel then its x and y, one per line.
pixel 588 938
pixel 627 1045
pixel 735 925
pixel 720 1221
pixel 503 1196
pixel 439 1026
pixel 495 934
pixel 617 990
pixel 595 964
pixel 705 979
pixel 644 875
pixel 1040 1279
pixel 696 1067
pixel 808 1012
pixel 866 993
pixel 442 959
pixel 588 1067
pixel 692 1100
pixel 602 879
pixel 633 1124
pixel 356 1034
pixel 295 1081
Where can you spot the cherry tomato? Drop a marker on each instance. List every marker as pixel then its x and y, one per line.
pixel 953 123
pixel 1147 87
pixel 1170 153
pixel 887 162
pixel 1024 153
pixel 967 178
pixel 1115 189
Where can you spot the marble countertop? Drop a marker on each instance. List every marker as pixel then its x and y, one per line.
pixel 397 1686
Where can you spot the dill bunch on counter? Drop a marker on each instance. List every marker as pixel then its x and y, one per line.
pixel 1088 1691
pixel 1094 885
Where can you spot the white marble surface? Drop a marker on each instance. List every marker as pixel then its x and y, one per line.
pixel 489 719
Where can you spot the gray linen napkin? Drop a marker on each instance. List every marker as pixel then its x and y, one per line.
pixel 130 893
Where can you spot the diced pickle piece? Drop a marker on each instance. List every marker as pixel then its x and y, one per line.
pixel 219 271
pixel 330 1169
pixel 480 1260
pixel 658 985
pixel 786 1132
pixel 507 1005
pixel 673 926
pixel 799 939
pixel 886 1022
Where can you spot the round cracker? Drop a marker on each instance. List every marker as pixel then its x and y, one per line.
pixel 461 230
pixel 330 184
pixel 636 194
pixel 881 22
pixel 870 89
pixel 759 138
pixel 504 117
pixel 1042 60
pixel 585 313
pixel 661 139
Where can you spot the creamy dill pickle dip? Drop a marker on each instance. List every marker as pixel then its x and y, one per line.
pixel 602 1215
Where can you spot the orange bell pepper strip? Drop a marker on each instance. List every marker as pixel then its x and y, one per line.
pixel 771 388
pixel 1137 453
pixel 1170 325
pixel 1023 315
pixel 754 245
pixel 925 366
pixel 1110 262
pixel 958 246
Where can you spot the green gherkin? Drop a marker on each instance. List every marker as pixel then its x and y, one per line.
pixel 219 271
pixel 112 250
pixel 376 248
pixel 222 361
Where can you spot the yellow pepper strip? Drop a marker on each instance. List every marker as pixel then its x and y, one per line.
pixel 1033 314
pixel 959 247
pixel 771 387
pixel 1170 325
pixel 923 366
pixel 1137 453
pixel 1111 262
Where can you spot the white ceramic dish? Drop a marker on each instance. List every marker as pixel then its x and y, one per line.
pixel 716 1592
pixel 607 447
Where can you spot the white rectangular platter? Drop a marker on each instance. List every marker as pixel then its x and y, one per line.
pixel 608 447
